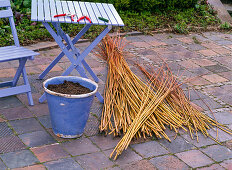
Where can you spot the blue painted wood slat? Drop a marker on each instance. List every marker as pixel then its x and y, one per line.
pixel 103 13
pixel 109 13
pixel 91 13
pixel 72 10
pixel 40 10
pixel 14 90
pixel 98 14
pixel 53 11
pixel 84 11
pixel 5 3
pixel 47 12
pixel 6 13
pixel 34 10
pixel 60 11
pixel 78 11
pixel 116 15
pixel 12 49
pixel 66 10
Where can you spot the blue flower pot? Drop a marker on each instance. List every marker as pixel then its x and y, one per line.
pixel 69 113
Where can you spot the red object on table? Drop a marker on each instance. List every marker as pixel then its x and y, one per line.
pixel 66 14
pixel 84 17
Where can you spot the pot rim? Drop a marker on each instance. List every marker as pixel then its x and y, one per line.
pixel 70 95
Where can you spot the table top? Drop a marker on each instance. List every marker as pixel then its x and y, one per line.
pixel 44 11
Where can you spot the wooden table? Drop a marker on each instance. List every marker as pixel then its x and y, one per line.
pixel 45 10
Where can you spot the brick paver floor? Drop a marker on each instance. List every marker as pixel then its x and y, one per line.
pixel 27 140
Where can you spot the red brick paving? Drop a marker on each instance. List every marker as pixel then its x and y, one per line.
pixel 32 167
pixel 212 167
pixel 49 152
pixel 93 160
pixel 208 52
pixel 214 78
pixel 204 62
pixel 168 162
pixel 227 164
pixel 194 158
pixel 178 49
pixel 79 147
pixel 10 72
pixel 140 165
pixel 17 113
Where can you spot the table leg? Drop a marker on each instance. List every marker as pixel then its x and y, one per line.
pixel 80 58
pixel 75 64
pixel 57 59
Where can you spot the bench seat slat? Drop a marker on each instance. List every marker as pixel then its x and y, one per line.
pixel 13 53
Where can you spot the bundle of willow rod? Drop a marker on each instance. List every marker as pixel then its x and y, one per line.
pixel 194 119
pixel 137 109
pixel 124 96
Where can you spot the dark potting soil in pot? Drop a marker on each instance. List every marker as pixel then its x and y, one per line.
pixel 69 87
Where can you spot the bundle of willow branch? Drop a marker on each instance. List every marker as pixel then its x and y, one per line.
pixel 125 92
pixel 194 120
pixel 138 109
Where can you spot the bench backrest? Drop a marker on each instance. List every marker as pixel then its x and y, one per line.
pixel 7 13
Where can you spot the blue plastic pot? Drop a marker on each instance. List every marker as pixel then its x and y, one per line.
pixel 69 113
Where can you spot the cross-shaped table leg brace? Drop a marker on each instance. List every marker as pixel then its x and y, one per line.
pixel 57 59
pixel 75 63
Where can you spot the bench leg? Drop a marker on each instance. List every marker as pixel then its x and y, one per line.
pixel 22 63
pixel 26 82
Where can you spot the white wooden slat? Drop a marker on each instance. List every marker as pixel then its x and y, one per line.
pixel 5 3
pixel 97 13
pixel 47 12
pixel 40 10
pixel 91 13
pixel 6 13
pixel 103 13
pixel 84 11
pixel 116 15
pixel 53 10
pixel 72 10
pixel 109 13
pixel 78 11
pixel 34 10
pixel 66 10
pixel 59 10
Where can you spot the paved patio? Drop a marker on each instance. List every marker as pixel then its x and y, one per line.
pixel 27 141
